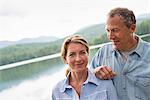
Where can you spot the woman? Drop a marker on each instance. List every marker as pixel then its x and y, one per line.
pixel 80 83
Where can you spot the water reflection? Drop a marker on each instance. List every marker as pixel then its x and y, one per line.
pixel 37 89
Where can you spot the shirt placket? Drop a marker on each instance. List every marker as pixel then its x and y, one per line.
pixel 121 80
pixel 75 95
pixel 124 78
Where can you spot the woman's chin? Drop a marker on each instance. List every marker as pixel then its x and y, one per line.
pixel 80 70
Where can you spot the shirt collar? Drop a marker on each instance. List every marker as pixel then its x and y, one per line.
pixel 139 48
pixel 65 84
pixel 90 79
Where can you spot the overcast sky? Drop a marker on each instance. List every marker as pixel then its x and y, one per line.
pixel 33 18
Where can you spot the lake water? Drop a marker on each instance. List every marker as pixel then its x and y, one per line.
pixel 29 86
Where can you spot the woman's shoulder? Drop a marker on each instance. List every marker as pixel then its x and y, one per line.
pixel 59 85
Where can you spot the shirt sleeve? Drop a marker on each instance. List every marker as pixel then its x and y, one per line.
pixel 95 62
pixel 53 95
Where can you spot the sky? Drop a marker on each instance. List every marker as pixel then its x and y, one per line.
pixel 33 18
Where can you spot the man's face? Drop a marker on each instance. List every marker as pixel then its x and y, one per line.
pixel 118 33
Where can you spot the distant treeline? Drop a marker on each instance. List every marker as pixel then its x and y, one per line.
pixel 94 34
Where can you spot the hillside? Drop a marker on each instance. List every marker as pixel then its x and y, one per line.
pixel 41 39
pixel 92 31
pixel 95 34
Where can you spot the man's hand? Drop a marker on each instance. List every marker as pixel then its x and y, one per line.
pixel 104 72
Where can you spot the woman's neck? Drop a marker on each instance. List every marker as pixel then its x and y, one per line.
pixel 79 77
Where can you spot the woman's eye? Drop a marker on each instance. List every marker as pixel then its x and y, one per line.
pixel 71 55
pixel 83 52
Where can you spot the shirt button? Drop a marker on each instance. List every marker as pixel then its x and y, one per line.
pixel 124 73
pixel 124 88
pixel 129 61
pixel 136 83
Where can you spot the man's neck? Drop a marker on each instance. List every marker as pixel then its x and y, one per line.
pixel 134 44
pixel 131 45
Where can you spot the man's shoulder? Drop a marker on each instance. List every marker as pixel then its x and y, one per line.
pixel 107 47
pixel 145 46
pixel 144 50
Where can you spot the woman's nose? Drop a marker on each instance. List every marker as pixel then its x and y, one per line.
pixel 78 58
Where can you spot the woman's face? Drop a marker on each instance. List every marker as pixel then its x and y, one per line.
pixel 77 57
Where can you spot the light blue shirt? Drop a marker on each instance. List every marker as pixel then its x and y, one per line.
pixel 92 89
pixel 133 76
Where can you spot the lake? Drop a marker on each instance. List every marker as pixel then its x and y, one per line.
pixel 28 83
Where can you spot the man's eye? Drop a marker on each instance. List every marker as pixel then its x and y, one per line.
pixel 107 30
pixel 115 30
pixel 112 30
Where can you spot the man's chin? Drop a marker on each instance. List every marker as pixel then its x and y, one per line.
pixel 115 47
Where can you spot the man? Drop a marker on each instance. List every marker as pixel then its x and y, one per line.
pixel 126 60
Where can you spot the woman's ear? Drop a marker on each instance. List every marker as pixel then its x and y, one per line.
pixel 65 61
pixel 67 71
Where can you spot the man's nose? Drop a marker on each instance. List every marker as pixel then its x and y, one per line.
pixel 111 35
